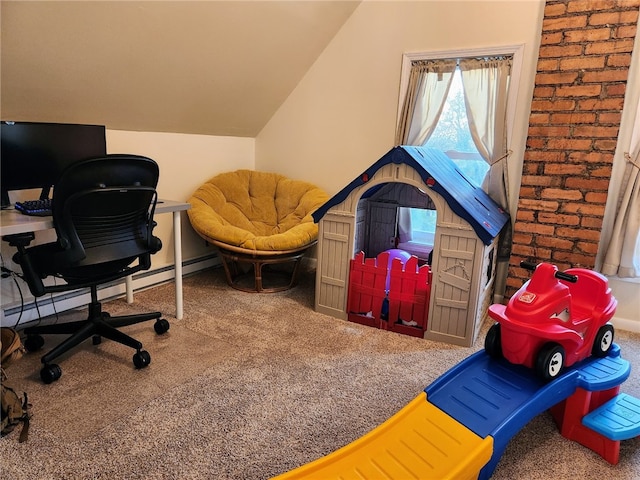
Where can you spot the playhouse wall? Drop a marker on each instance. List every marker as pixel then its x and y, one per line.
pixel 336 234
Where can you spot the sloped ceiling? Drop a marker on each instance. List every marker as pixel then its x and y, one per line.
pixel 205 67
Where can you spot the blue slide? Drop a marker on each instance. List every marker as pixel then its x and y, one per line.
pixel 496 398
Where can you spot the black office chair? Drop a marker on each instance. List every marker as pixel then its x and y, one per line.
pixel 103 216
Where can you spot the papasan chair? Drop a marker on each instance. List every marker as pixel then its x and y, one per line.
pixel 261 224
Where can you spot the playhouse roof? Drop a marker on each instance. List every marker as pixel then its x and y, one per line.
pixel 439 173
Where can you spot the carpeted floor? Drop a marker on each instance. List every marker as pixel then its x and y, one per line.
pixel 248 386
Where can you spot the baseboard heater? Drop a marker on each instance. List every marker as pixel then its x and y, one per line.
pixel 45 308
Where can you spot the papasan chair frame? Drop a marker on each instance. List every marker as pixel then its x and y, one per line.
pixel 257 219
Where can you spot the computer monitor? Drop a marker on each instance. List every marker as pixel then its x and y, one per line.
pixel 34 154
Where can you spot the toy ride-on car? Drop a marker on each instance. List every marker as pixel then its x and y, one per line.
pixel 554 320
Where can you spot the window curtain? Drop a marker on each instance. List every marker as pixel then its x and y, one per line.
pixel 485 83
pixel 623 255
pixel 429 83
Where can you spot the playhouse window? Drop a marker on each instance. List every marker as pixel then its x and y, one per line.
pixel 416 230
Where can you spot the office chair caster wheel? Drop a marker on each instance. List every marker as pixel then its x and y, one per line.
pixel 50 373
pixel 96 339
pixel 161 326
pixel 141 359
pixel 33 343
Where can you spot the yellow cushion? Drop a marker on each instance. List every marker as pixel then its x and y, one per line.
pixel 256 210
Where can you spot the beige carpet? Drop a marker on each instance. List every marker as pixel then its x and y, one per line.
pixel 248 386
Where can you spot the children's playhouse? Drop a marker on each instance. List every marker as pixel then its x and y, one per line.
pixel 363 217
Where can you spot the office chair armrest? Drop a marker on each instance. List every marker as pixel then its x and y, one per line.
pixel 22 258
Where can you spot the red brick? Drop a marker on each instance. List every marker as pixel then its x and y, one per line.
pixel 546 156
pixel 552 105
pixel 604 172
pixel 538 205
pixel 560 219
pixel 544 92
pixel 556 78
pixel 538 180
pixel 554 243
pixel 573 118
pixel 548 65
pixel 592 222
pixel 600 104
pixel 604 76
pixel 574 259
pixel 522 238
pixel 564 169
pixel 564 23
pixel 588 247
pixel 595 131
pixel 569 144
pixel 582 63
pixel 587 35
pixel 596 197
pixel 579 91
pixel 583 208
pixel 622 60
pixel 556 51
pixel 626 31
pixel 614 18
pixel 561 194
pixel 549 131
pixel 589 5
pixel 613 46
pixel 589 157
pixel 551 38
pixel 577 233
pixel 553 10
pixel 617 89
pixel 609 145
pixel 536 228
pixel 610 117
pixel 524 250
pixel 539 118
pixel 592 184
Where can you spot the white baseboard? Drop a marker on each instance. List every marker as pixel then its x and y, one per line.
pixel 626 324
pixel 36 309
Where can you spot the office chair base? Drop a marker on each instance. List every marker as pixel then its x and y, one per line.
pixel 99 324
pixel 50 373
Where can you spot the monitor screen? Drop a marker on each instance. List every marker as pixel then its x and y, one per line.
pixel 33 154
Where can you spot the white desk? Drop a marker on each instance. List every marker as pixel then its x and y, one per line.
pixel 13 222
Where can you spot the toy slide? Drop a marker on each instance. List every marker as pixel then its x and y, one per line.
pixel 420 441
pixel 460 426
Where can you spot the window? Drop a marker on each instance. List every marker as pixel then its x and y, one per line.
pixel 416 231
pixel 452 134
pixel 439 91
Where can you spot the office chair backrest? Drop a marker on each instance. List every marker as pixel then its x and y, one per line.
pixel 103 213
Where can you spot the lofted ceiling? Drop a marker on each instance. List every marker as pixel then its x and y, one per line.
pixel 202 67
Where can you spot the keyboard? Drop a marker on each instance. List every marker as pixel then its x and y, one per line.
pixel 37 208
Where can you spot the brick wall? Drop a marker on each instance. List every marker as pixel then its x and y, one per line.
pixel 580 84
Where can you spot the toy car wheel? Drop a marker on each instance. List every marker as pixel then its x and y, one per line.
pixel 550 361
pixel 492 344
pixel 603 342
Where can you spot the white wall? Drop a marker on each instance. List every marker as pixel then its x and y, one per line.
pixel 185 161
pixel 342 116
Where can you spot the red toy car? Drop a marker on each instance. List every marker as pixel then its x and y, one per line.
pixel 555 320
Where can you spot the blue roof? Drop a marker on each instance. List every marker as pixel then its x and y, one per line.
pixel 440 174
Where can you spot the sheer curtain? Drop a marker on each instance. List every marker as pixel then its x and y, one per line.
pixel 429 82
pixel 623 255
pixel 485 83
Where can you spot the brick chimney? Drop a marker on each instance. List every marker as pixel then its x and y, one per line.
pixel 580 84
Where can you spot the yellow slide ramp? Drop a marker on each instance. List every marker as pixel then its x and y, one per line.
pixel 420 441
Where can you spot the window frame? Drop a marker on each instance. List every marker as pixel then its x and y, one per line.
pixel 516 51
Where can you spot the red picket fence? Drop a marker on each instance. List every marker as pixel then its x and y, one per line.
pixel 404 309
